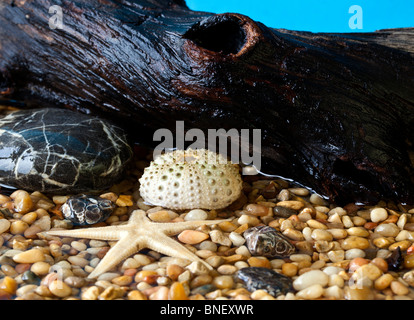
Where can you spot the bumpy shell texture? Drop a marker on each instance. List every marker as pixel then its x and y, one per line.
pixel 190 179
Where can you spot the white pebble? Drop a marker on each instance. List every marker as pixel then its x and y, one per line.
pixel 196 214
pixel 80 246
pixel 4 225
pixel 312 292
pixel 378 214
pixel 330 270
pixel 237 239
pixel 354 253
pixel 334 292
pixel 387 230
pixel 336 280
pixel 78 261
pixel 300 257
pixel 311 278
pixel 318 200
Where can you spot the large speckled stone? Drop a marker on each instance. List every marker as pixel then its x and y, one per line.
pixel 60 151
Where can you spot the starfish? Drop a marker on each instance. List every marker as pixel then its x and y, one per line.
pixel 137 234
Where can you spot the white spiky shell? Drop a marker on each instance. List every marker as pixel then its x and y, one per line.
pixel 190 179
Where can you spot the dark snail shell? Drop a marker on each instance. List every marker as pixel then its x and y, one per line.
pixel 258 278
pixel 268 242
pixel 87 209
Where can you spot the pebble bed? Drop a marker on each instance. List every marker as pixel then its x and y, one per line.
pixel 342 252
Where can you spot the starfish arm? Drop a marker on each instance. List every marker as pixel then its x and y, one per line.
pixel 172 228
pixel 101 233
pixel 122 249
pixel 168 246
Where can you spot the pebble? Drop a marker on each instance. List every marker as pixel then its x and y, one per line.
pixel 356 293
pixel 291 204
pixel 112 293
pixel 312 292
pixel 192 236
pixel 4 225
pixel 283 211
pixel 177 292
pixel 60 289
pixel 90 141
pixel 122 280
pixel 223 282
pixel 317 200
pixel 387 230
pixel 383 281
pixel 289 269
pixel 399 288
pixel 9 285
pixel 196 214
pixel 219 237
pixel 22 201
pixel 18 227
pixel 30 256
pixel 310 278
pixel 237 239
pixel 378 214
pixel 257 210
pixel 334 292
pixel 78 261
pixel 40 268
pixel 354 242
pixel 80 246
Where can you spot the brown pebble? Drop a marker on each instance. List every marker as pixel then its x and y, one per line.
pixel 9 285
pixel 192 236
pixel 291 204
pixel 32 231
pixel 257 210
pixel 136 295
pixel 173 271
pixel 22 267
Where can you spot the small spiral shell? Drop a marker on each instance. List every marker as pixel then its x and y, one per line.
pixel 268 242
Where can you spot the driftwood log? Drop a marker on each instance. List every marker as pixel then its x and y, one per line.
pixel 336 110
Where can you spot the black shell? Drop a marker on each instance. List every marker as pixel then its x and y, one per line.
pixel 268 242
pixel 87 209
pixel 256 278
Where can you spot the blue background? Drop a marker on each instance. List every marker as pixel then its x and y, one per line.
pixel 316 15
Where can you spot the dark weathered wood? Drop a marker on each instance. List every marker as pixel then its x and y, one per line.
pixel 336 110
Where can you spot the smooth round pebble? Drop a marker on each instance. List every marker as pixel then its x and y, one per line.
pixel 310 278
pixel 312 292
pixel 196 214
pixel 60 289
pixel 378 214
pixel 4 225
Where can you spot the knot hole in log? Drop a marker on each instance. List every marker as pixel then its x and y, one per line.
pixel 225 34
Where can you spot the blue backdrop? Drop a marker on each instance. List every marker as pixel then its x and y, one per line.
pixel 316 15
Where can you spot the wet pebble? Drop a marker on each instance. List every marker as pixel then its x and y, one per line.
pixel 196 214
pixel 4 225
pixel 91 153
pixel 283 211
pixel 30 256
pixel 310 278
pixel 272 282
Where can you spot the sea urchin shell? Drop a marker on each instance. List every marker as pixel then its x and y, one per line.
pixel 189 179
